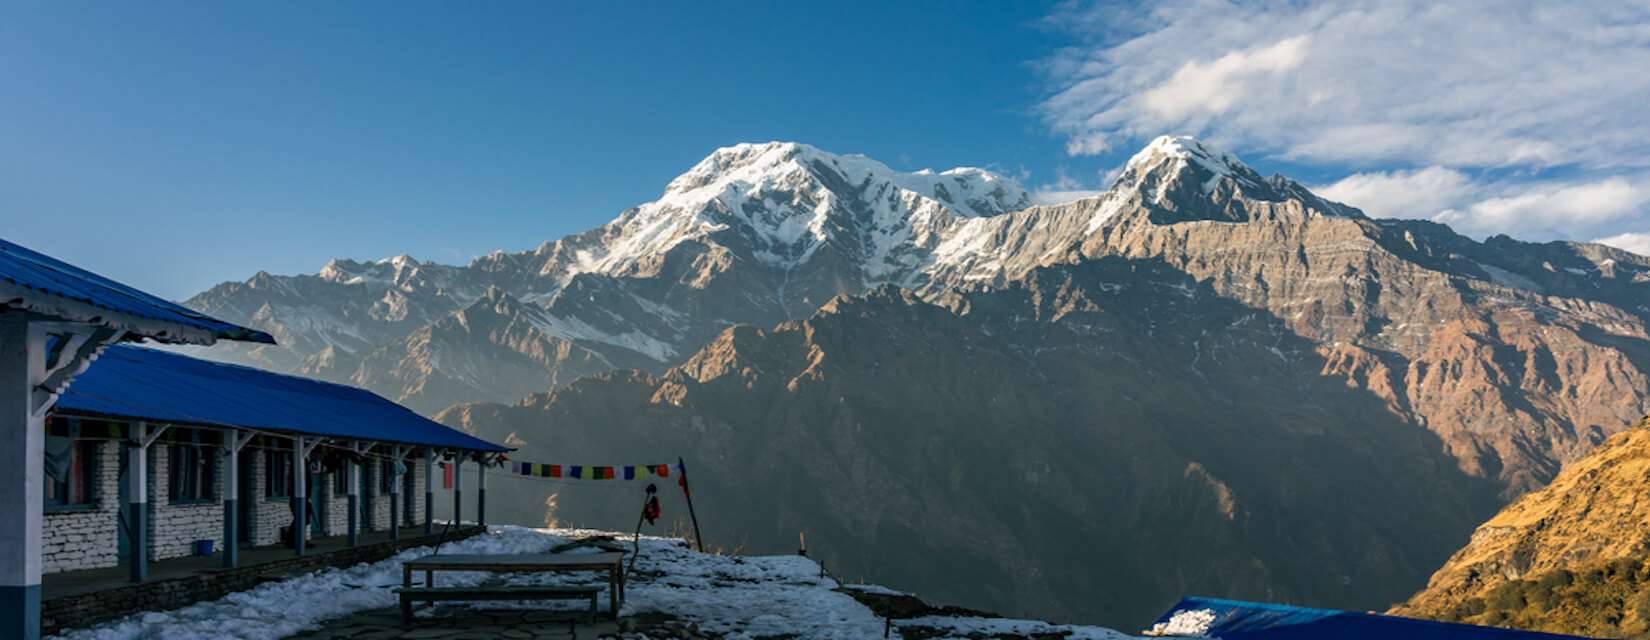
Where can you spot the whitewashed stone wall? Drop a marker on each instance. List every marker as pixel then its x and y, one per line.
pixel 86 539
pixel 174 528
pixel 269 514
pixel 335 517
pixel 415 515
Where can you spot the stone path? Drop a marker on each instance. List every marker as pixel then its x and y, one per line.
pixel 456 622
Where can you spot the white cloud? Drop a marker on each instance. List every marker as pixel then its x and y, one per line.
pixel 1047 197
pixel 1638 243
pixel 1524 84
pixel 1065 188
pixel 1403 194
pixel 1555 209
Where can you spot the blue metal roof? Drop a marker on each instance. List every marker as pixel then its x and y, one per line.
pixel 1238 620
pixel 145 384
pixel 37 271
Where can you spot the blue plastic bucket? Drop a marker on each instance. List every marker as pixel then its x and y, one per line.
pixel 203 547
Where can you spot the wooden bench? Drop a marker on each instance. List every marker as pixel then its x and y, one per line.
pixel 410 595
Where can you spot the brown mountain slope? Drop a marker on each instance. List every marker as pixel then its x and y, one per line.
pixel 1570 557
pixel 1077 446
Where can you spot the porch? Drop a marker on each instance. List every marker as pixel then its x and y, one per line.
pixel 89 596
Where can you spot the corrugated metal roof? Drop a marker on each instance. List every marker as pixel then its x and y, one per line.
pixel 36 271
pixel 159 386
pixel 1238 620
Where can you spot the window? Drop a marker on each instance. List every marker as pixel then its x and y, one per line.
pixel 385 479
pixel 191 467
pixel 277 473
pixel 71 474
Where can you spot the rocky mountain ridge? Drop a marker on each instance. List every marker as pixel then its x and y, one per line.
pixel 1572 557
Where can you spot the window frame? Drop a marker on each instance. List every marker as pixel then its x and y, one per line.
pixel 386 476
pixel 277 461
pixel 199 455
pixel 85 458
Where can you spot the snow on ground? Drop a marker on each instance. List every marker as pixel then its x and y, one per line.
pixel 999 627
pixel 729 596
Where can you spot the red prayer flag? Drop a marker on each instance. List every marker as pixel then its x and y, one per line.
pixel 607 473
pixel 555 471
pixel 663 470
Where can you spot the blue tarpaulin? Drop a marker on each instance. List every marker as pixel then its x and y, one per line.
pixel 158 386
pixel 1238 620
pixel 39 272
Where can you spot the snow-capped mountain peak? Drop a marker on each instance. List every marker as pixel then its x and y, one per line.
pixel 1169 156
pixel 780 202
pixel 967 191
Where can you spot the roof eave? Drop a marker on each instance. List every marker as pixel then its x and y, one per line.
pixel 14 296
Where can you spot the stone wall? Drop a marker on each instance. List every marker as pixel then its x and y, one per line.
pixel 335 516
pixel 86 538
pixel 88 609
pixel 174 528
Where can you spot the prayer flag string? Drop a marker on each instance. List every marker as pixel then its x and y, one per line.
pixel 590 472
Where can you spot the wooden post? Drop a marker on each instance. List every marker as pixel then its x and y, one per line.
pixel 22 475
pixel 300 506
pixel 352 488
pixel 458 489
pixel 697 539
pixel 429 491
pixel 137 515
pixel 234 441
pixel 481 492
pixel 395 492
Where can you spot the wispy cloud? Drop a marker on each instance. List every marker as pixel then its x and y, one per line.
pixel 1524 116
pixel 1065 188
pixel 1638 243
pixel 1535 83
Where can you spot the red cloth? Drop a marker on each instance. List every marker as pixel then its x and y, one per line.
pixel 446 476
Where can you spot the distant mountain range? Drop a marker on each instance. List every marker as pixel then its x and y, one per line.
pixel 1203 380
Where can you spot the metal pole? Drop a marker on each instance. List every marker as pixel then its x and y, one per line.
pixel 22 475
pixel 481 493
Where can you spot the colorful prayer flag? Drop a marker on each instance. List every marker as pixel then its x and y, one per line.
pixel 663 470
pixel 555 471
pixel 607 473
pixel 576 471
pixel 629 472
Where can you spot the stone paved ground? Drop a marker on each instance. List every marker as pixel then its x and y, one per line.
pixel 463 623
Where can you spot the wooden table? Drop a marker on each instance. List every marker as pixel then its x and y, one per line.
pixel 612 562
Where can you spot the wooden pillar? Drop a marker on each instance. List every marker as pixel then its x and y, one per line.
pixel 429 490
pixel 458 489
pixel 395 492
pixel 352 479
pixel 137 512
pixel 299 503
pixel 22 475
pixel 234 441
pixel 481 492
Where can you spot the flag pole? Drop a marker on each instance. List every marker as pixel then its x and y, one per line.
pixel 697 539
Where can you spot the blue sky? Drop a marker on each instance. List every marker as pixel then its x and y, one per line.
pixel 176 145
